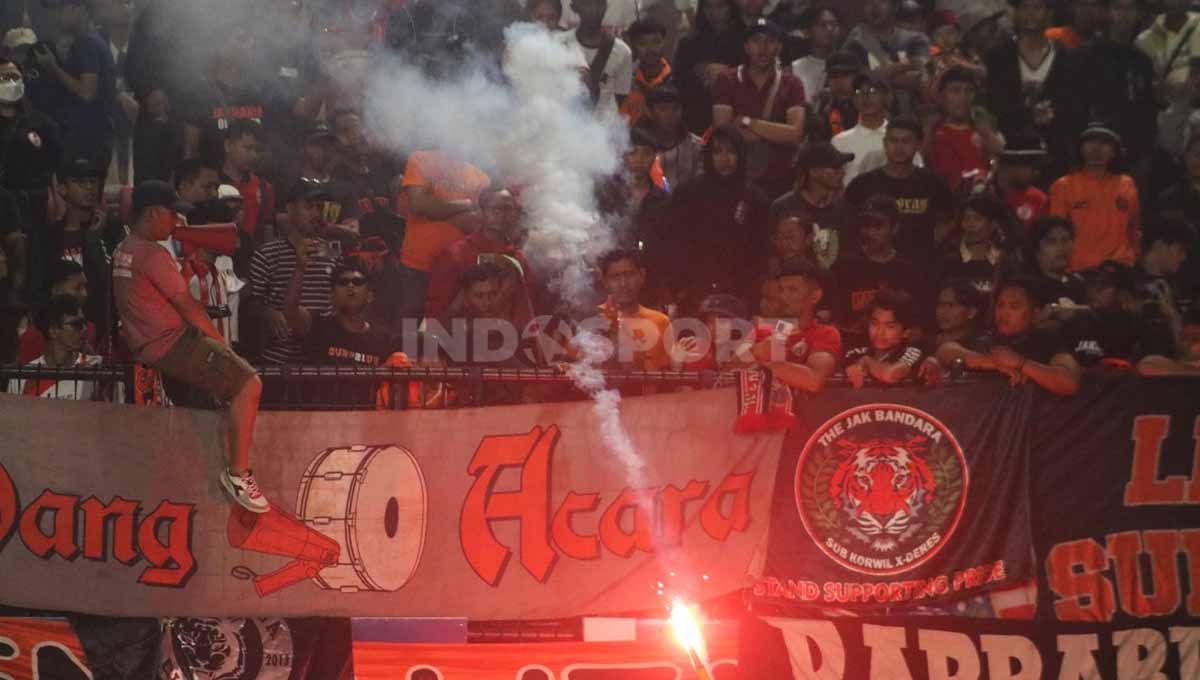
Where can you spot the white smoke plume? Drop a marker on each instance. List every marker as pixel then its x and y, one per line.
pixel 535 131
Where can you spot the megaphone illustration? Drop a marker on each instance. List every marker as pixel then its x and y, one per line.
pixel 221 239
pixel 277 533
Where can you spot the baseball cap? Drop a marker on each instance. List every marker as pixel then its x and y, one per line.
pixel 820 155
pixel 843 63
pixel 228 192
pixel 956 74
pixel 880 205
pixel 1023 148
pixel 1098 130
pixel 153 193
pixel 767 26
pixel 308 190
pixel 871 80
pixel 974 18
pixel 19 37
pixel 724 306
pixel 906 123
pixel 78 168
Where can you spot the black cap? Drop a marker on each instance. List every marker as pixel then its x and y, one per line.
pixel 906 123
pixel 153 193
pixel 880 205
pixel 956 74
pixel 871 80
pixel 724 306
pixel 1023 148
pixel 78 167
pixel 767 26
pixel 820 155
pixel 844 63
pixel 1098 130
pixel 319 133
pixel 308 190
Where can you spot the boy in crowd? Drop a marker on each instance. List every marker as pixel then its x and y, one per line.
pixel 605 61
pixel 865 140
pixel 1103 205
pixel 1014 175
pixel 834 109
pixel 61 322
pixel 67 278
pixel 959 149
pixel 792 239
pixel 889 357
pixel 681 153
pixel 242 144
pixel 647 38
pixel 923 200
pixel 875 266
pixel 638 333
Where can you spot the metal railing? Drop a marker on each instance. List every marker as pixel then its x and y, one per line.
pixel 319 387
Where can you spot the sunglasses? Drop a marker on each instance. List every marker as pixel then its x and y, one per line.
pixel 352 281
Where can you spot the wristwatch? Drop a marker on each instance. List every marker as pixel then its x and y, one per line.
pixel 745 121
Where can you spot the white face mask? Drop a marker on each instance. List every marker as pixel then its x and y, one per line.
pixel 11 91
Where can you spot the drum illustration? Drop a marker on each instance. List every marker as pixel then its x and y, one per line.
pixel 371 501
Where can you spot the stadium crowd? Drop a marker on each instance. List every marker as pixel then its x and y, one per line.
pixel 1012 188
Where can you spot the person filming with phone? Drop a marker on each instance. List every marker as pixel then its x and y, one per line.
pixel 275 262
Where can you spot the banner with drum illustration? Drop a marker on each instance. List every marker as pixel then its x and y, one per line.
pixel 499 513
pixel 887 504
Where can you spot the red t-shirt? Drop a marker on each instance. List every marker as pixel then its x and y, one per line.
pixel 145 280
pixel 801 344
pixel 1027 205
pixel 258 203
pixel 954 150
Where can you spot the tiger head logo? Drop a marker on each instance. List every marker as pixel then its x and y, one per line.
pixel 882 486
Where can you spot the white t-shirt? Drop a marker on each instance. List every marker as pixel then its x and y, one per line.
pixel 618 17
pixel 866 145
pixel 618 72
pixel 810 71
pixel 76 390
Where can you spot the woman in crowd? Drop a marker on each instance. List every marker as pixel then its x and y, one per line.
pixel 716 43
pixel 716 235
pixel 1015 347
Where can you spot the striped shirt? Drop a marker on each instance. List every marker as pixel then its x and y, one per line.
pixel 270 270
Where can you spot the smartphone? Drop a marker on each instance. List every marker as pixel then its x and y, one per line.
pixel 784 328
pixel 486 258
pixel 335 248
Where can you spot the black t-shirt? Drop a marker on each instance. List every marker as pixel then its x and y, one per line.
pixel 837 217
pixel 87 126
pixel 1095 335
pixel 1050 290
pixel 981 274
pixel 1037 344
pixel 329 343
pixel 922 198
pixel 29 152
pixel 857 280
pixel 213 108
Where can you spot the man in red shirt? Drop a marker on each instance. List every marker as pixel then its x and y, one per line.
pixel 165 327
pixel 802 352
pixel 498 236
pixel 767 105
pixel 959 150
pixel 1014 175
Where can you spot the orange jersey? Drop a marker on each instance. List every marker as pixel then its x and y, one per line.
pixel 637 328
pixel 1106 214
pixel 448 179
